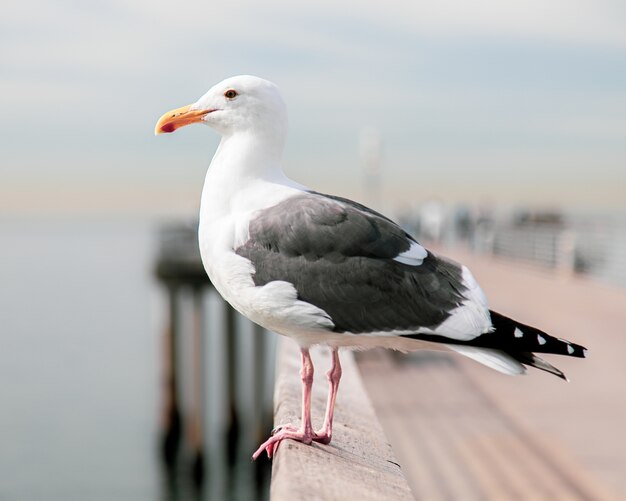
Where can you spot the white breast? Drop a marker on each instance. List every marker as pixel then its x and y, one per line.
pixel 224 226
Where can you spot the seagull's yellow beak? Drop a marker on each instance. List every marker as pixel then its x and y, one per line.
pixel 178 118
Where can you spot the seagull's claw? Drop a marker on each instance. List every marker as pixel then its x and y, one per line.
pixel 287 426
pixel 279 434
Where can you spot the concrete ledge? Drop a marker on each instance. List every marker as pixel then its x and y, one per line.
pixel 358 464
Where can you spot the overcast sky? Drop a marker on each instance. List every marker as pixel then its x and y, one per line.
pixel 509 102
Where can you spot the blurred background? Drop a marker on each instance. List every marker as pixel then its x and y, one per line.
pixel 499 126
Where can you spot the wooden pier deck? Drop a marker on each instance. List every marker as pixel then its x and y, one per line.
pixel 462 431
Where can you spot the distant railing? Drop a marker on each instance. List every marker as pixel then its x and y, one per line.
pixel 597 249
pixel 217 372
pixel 593 244
pixel 601 250
pixel 546 246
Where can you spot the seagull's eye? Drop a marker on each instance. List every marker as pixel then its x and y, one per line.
pixel 230 94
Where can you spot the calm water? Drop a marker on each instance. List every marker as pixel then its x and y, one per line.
pixel 79 360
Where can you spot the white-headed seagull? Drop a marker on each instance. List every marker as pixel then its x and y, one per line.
pixel 325 270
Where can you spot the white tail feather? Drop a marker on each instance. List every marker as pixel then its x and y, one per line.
pixel 494 359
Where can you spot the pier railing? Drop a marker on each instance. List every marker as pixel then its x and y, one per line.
pixel 585 246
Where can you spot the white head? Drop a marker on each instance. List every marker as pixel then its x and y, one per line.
pixel 242 104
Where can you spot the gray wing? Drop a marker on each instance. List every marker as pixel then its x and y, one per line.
pixel 343 258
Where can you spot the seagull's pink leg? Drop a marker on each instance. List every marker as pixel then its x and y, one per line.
pixel 305 433
pixel 325 433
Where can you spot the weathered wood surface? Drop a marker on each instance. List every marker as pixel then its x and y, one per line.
pixel 357 464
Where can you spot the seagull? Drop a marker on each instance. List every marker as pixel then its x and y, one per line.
pixel 324 270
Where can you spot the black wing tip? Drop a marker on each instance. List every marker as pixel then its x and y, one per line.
pixel 575 350
pixel 527 338
pixel 582 351
pixel 561 376
pixel 553 370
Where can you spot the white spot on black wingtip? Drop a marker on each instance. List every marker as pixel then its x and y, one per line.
pixel 518 333
pixel 541 339
pixel 570 349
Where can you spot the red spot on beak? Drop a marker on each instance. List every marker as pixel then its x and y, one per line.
pixel 168 127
